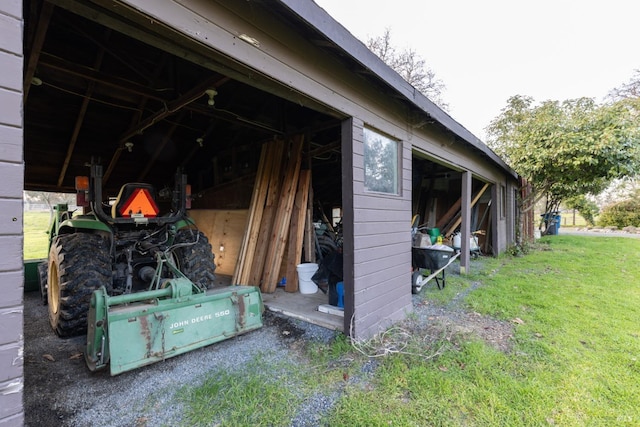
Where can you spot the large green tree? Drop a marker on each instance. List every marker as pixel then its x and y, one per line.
pixel 570 148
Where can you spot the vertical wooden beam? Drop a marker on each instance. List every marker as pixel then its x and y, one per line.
pixel 495 217
pixel 350 130
pixel 254 218
pixel 36 47
pixel 465 226
pixel 309 230
pixel 308 244
pixel 296 230
pixel 272 196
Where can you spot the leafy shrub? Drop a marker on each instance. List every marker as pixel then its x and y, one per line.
pixel 585 207
pixel 621 214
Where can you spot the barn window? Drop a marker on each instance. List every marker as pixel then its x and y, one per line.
pixel 381 171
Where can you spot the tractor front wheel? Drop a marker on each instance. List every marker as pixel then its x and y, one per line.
pixel 79 264
pixel 195 258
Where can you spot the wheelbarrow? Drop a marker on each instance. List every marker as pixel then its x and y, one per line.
pixel 435 259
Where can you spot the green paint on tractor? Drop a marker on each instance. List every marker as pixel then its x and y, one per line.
pixel 148 327
pixel 138 281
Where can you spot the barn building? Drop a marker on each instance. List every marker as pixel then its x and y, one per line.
pixel 211 87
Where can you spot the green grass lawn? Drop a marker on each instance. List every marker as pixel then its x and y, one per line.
pixel 571 220
pixel 575 307
pixel 575 359
pixel 36 239
pixel 574 302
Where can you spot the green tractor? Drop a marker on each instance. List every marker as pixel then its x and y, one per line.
pixel 129 274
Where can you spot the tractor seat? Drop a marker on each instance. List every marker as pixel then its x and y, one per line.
pixel 135 199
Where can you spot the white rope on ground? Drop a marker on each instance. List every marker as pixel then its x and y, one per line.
pixel 426 279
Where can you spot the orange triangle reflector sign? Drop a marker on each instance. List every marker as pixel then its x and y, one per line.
pixel 139 204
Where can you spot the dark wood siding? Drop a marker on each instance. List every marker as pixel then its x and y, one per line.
pixel 11 171
pixel 381 246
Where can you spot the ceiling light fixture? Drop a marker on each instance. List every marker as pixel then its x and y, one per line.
pixel 211 93
pixel 249 40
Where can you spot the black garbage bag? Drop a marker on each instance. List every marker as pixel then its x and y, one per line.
pixel 329 274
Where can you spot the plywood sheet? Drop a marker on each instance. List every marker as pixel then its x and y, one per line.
pixel 225 230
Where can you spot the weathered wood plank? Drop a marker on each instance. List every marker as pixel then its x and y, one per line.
pixel 273 194
pixel 254 218
pixel 282 218
pixel 449 229
pixel 309 231
pixel 296 231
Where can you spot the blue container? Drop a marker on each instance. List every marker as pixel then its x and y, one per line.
pixel 340 292
pixel 552 221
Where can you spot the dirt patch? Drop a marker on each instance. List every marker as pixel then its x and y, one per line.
pixel 462 324
pixel 454 320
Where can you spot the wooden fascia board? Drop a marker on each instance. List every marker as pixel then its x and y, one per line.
pixel 322 22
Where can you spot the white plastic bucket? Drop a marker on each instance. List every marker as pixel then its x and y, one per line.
pixel 457 241
pixel 305 273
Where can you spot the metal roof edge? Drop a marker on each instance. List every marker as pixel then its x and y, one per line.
pixel 321 21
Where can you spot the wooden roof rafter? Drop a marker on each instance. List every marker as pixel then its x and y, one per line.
pixel 87 73
pixel 135 117
pixel 81 114
pixel 169 109
pixel 165 140
pixel 36 47
pixel 130 62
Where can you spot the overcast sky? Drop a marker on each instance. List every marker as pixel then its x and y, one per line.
pixel 486 51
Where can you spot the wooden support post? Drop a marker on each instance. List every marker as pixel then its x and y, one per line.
pixel 465 228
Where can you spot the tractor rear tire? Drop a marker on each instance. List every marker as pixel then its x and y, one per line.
pixel 42 281
pixel 196 261
pixel 79 264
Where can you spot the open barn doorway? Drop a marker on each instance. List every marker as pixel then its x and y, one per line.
pixel 437 191
pixel 144 101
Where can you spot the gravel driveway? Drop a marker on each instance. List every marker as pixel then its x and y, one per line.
pixel 61 391
pixel 597 232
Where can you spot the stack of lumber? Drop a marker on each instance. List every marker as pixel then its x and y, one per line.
pixel 272 243
pixel 448 222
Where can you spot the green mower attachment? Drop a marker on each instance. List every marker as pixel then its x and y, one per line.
pixel 133 330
